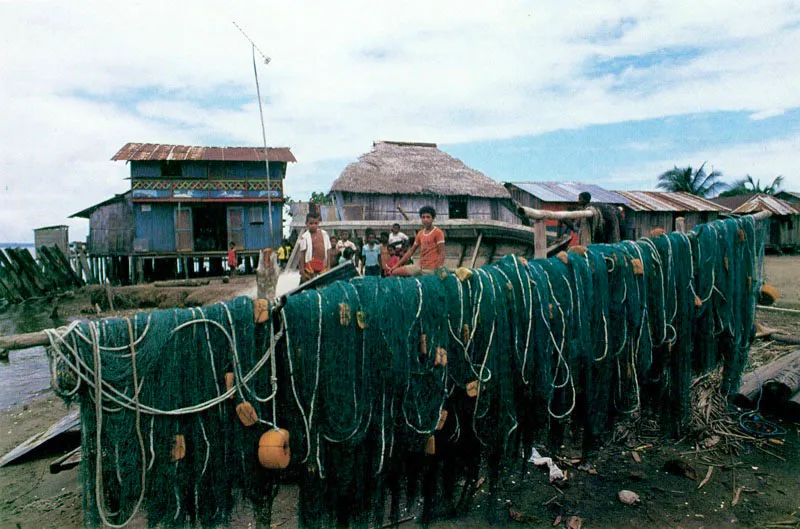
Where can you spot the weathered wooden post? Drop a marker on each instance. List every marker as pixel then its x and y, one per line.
pixel 540 216
pixel 680 225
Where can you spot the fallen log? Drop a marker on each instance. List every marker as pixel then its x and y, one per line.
pixel 780 388
pixel 752 383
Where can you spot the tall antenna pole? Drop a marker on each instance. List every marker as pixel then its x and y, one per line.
pixel 263 128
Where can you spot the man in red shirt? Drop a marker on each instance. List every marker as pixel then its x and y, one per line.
pixel 430 242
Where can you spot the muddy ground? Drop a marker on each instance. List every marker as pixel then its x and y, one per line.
pixel 767 475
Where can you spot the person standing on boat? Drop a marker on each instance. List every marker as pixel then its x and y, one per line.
pixel 430 242
pixel 314 246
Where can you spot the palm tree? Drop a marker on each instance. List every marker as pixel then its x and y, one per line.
pixel 688 180
pixel 748 185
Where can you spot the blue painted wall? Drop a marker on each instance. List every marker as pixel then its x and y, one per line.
pixel 257 235
pixel 157 225
pixel 200 169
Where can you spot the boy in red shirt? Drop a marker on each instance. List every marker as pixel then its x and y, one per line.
pixel 232 263
pixel 430 242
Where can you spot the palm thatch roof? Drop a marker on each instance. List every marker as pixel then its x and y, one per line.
pixel 398 168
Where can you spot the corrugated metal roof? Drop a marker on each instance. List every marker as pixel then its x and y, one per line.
pixel 666 201
pixel 87 213
pixel 569 191
pixel 767 203
pixel 160 151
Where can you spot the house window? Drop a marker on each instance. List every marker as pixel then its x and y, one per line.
pixel 170 168
pixel 256 215
pixel 458 208
pixel 145 208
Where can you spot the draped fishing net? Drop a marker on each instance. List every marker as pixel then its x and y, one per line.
pixel 397 390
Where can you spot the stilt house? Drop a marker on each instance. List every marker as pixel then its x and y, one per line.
pixel 185 205
pixel 647 210
pixel 395 179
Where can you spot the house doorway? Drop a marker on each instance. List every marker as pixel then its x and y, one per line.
pixel 210 228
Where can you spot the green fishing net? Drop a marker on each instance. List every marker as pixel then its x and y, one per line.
pixel 397 390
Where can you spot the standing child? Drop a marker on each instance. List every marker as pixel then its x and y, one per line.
pixel 371 252
pixel 314 246
pixel 430 242
pixel 232 258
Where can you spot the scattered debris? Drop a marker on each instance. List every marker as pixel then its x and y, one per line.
pixel 636 456
pixel 555 473
pixel 574 522
pixel 737 496
pixel 679 467
pixel 628 497
pixel 707 478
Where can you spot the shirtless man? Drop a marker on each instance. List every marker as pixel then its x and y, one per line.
pixel 314 246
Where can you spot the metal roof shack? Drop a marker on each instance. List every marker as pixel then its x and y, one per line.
pixel 669 202
pixel 774 205
pixel 164 152
pixel 567 192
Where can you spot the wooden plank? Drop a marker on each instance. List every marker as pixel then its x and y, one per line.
pixel 53 268
pixel 475 252
pixel 9 290
pixel 30 272
pixel 24 289
pixel 69 460
pixel 461 254
pixel 78 281
pixel 69 422
pixel 87 270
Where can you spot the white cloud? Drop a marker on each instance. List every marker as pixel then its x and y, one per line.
pixel 763 160
pixel 346 73
pixel 766 114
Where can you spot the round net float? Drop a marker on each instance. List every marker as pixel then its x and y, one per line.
pixel 656 232
pixel 441 357
pixel 430 446
pixel 229 382
pixel 178 451
pixel 580 250
pixel 522 261
pixel 741 235
pixel 463 273
pixel 638 267
pixel 698 302
pixel 344 314
pixel 465 334
pixel 473 388
pixel 562 256
pixel 261 310
pixel 274 452
pixel 247 414
pixel 361 319
pixel 768 295
pixel 725 263
pixel 423 344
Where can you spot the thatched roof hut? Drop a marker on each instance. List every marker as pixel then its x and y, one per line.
pixel 396 176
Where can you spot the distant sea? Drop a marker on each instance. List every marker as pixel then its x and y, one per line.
pixel 16 245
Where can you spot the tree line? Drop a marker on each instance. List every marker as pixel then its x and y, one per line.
pixel 709 184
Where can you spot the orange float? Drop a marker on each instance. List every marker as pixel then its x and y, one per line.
pixel 274 452
pixel 178 448
pixel 247 414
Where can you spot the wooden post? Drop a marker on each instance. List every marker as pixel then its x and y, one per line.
pixel 475 252
pixel 680 224
pixel 109 295
pixel 90 276
pixel 540 239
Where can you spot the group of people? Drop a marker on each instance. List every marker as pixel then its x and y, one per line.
pixel 389 256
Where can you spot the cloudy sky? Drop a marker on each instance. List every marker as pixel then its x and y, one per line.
pixel 612 92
